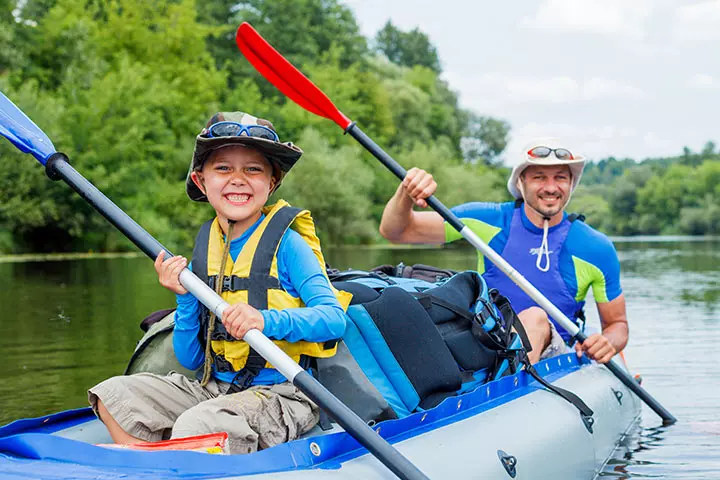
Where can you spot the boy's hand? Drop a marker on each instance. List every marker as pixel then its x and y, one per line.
pixel 169 272
pixel 240 318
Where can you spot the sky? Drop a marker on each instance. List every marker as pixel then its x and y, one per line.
pixel 622 78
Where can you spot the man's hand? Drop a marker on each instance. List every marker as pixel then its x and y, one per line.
pixel 419 185
pixel 169 272
pixel 597 347
pixel 240 318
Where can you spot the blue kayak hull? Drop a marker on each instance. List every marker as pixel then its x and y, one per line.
pixel 464 437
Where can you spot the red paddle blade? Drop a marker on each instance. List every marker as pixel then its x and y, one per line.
pixel 288 79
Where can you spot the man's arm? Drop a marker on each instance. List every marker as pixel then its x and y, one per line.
pixel 613 318
pixel 614 337
pixel 400 224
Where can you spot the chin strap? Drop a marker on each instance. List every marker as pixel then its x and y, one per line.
pixel 544 250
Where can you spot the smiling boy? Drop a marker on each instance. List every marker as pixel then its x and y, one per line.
pixel 267 264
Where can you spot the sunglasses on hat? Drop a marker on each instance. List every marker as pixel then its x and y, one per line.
pixel 544 152
pixel 234 129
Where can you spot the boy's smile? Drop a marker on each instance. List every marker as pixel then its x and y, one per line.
pixel 237 182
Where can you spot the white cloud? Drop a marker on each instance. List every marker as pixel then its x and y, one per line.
pixel 506 89
pixel 703 81
pixel 608 17
pixel 698 21
pixel 593 141
pixel 598 88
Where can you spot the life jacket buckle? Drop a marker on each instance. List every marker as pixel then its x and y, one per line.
pixel 242 381
pixel 227 284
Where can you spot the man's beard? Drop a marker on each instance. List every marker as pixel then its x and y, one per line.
pixel 547 212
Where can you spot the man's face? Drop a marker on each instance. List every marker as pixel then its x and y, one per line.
pixel 547 188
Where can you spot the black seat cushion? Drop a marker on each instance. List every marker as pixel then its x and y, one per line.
pixel 415 342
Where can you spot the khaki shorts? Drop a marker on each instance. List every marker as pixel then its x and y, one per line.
pixel 557 345
pixel 154 407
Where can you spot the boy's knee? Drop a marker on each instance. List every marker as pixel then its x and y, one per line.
pixel 193 421
pixel 535 318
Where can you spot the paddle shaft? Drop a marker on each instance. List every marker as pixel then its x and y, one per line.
pixel 570 326
pixel 58 168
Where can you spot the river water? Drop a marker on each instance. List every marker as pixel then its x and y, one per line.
pixel 66 325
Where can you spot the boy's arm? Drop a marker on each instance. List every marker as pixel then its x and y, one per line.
pixel 186 342
pixel 323 318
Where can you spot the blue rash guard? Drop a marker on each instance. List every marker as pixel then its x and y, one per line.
pixel 587 258
pixel 301 276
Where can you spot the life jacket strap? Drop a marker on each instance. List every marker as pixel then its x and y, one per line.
pixel 233 283
pixel 244 378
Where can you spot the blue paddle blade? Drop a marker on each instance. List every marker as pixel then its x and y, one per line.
pixel 22 132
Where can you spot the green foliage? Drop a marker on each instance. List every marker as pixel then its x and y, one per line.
pixel 485 139
pixel 408 49
pixel 595 208
pixel 674 195
pixel 123 87
pixel 335 183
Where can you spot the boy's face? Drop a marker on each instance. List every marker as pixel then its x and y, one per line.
pixel 237 182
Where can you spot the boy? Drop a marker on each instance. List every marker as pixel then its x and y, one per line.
pixel 274 279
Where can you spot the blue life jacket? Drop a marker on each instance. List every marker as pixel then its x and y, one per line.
pixel 521 251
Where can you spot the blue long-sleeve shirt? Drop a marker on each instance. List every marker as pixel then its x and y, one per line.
pixel 301 276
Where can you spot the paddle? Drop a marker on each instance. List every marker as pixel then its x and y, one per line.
pixel 290 81
pixel 26 136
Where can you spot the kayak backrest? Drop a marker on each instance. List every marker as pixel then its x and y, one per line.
pixel 408 347
pixel 408 340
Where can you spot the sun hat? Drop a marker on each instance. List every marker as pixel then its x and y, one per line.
pixel 282 156
pixel 576 163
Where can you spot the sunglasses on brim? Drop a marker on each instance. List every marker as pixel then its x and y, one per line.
pixel 234 129
pixel 544 152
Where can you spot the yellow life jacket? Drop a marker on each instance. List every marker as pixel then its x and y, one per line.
pixel 253 278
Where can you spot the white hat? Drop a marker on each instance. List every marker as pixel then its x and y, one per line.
pixel 576 164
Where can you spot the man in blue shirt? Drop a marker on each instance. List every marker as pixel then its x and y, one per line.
pixel 561 257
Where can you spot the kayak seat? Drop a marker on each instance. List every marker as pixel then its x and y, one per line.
pixel 417 346
pixel 361 293
pixel 397 358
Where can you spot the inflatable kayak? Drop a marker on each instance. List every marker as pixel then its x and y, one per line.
pixel 508 428
pixel 496 427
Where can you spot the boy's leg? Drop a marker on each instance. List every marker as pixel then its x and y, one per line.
pixel 537 326
pixel 257 418
pixel 145 406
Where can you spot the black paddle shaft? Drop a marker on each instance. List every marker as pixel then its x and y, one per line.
pixel 400 172
pixel 634 386
pixel 58 168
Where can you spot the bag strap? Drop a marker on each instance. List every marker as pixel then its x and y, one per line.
pixel 507 311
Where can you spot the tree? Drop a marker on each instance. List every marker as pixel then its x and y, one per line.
pixel 407 48
pixel 339 202
pixel 302 30
pixel 484 139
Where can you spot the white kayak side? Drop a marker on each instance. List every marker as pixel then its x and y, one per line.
pixel 543 432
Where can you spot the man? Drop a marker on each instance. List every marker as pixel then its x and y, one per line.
pixel 560 256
